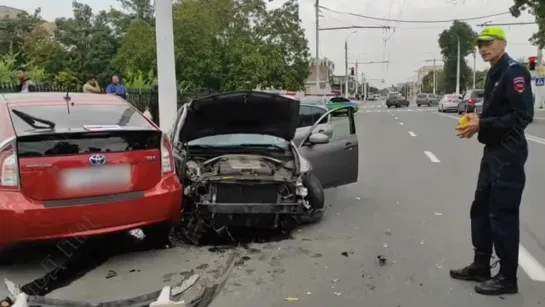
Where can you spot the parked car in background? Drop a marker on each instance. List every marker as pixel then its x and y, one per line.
pixel 84 159
pixel 471 100
pixel 395 99
pixel 426 99
pixel 341 102
pixel 449 103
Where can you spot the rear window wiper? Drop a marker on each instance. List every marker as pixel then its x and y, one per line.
pixel 32 120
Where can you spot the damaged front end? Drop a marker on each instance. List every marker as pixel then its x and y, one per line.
pixel 241 190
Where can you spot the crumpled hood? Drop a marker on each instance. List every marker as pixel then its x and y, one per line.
pixel 241 112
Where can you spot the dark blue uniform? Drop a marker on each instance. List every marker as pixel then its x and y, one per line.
pixel 507 109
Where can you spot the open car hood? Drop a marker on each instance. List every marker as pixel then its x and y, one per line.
pixel 241 112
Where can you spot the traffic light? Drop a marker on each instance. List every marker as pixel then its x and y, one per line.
pixel 351 71
pixel 532 63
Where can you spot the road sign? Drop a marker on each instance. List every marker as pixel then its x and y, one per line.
pixel 540 81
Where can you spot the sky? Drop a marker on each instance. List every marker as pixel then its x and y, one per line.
pixel 408 45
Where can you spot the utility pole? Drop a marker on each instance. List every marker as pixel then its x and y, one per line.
pixel 317 62
pixel 434 61
pixel 458 67
pixel 474 68
pixel 346 66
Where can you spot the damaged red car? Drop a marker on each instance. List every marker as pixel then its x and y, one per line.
pixel 82 165
pixel 239 167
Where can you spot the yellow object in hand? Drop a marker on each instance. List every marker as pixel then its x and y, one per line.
pixel 463 121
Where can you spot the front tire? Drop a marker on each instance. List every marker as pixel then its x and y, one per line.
pixel 315 198
pixel 158 234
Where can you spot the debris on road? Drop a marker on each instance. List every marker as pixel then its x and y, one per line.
pixel 137 233
pixel 358 198
pixel 291 299
pixel 422 242
pixel 335 280
pixel 381 260
pixel 385 245
pixel 388 232
pixel 349 252
pixel 344 254
pixel 110 274
pixel 338 293
pixel 309 293
pixel 438 213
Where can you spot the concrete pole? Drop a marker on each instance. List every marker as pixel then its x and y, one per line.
pixel 166 64
pixel 346 68
pixel 434 77
pixel 474 69
pixel 318 47
pixel 458 67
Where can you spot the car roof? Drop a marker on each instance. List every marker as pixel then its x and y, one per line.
pixel 47 98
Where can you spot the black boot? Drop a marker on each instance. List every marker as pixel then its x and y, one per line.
pixel 479 270
pixel 498 285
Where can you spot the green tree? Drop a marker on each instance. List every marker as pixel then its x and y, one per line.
pixel 536 8
pixel 448 41
pixel 133 10
pixel 137 51
pixel 89 41
pixel 13 32
pixel 427 83
pixel 228 44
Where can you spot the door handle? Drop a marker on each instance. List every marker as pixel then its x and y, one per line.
pixel 348 145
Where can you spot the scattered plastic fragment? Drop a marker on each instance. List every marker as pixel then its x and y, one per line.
pixel 422 242
pixel 137 233
pixel 291 299
pixel 388 232
pixel 309 293
pixel 338 293
pixel 381 260
pixel 344 254
pixel 385 245
pixel 358 198
pixel 438 213
pixel 335 280
pixel 110 274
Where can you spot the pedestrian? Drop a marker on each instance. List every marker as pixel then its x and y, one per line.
pixel 91 86
pixel 507 110
pixel 25 83
pixel 117 88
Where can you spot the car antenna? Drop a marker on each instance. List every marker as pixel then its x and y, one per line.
pixel 67 99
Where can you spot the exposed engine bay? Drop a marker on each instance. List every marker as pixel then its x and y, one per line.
pixel 240 190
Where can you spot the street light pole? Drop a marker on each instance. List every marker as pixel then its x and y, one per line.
pixel 346 62
pixel 317 62
pixel 458 67
pixel 434 77
pixel 474 68
pixel 166 64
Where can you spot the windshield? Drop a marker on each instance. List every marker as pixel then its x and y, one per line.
pixel 393 94
pixel 239 139
pixel 421 96
pixel 477 94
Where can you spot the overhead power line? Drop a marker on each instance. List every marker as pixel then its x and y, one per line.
pixel 413 21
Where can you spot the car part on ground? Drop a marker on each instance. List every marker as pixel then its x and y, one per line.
pixel 168 296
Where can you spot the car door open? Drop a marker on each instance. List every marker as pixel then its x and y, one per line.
pixel 334 159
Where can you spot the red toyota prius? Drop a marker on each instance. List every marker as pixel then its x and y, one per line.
pixel 78 165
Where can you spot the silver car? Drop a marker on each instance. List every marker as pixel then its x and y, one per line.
pixel 426 99
pixel 308 115
pixel 449 103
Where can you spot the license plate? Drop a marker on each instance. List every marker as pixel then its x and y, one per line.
pixel 92 177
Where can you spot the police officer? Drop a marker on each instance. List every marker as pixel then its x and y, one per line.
pixel 507 110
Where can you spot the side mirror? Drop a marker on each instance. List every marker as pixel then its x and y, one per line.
pixel 318 138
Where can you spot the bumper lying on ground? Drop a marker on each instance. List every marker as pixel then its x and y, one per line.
pixel 32 221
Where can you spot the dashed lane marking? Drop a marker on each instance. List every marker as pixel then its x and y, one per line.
pixel 412 133
pixel 401 124
pixel 432 157
pixel 530 265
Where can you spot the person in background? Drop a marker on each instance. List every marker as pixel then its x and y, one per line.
pixel 154 104
pixel 117 88
pixel 25 84
pixel 91 86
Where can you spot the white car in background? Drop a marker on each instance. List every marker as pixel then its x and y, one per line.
pixel 449 103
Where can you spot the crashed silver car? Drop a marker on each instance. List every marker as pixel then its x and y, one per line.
pixel 239 167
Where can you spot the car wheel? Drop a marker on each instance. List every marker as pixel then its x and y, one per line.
pixel 158 235
pixel 193 227
pixel 460 112
pixel 418 105
pixel 315 198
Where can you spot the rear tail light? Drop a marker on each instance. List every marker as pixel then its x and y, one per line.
pixel 167 156
pixel 471 101
pixel 9 168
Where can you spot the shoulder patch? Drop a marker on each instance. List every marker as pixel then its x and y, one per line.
pixel 519 85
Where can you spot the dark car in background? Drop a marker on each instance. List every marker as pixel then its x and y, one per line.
pixel 471 101
pixel 397 100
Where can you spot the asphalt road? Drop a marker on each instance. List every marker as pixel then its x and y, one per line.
pixel 410 207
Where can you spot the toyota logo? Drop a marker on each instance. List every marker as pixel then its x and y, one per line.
pixel 97 160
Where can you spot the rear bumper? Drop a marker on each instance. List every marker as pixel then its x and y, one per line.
pixel 32 221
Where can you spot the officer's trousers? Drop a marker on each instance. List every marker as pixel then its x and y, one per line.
pixel 495 209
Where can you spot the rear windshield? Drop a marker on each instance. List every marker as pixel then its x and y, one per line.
pixel 393 94
pixel 477 94
pixel 421 96
pixel 81 115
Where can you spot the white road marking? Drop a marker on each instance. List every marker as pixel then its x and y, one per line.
pixel 530 265
pixel 541 118
pixel 396 118
pixel 412 133
pixel 529 137
pixel 431 156
pixel 401 124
